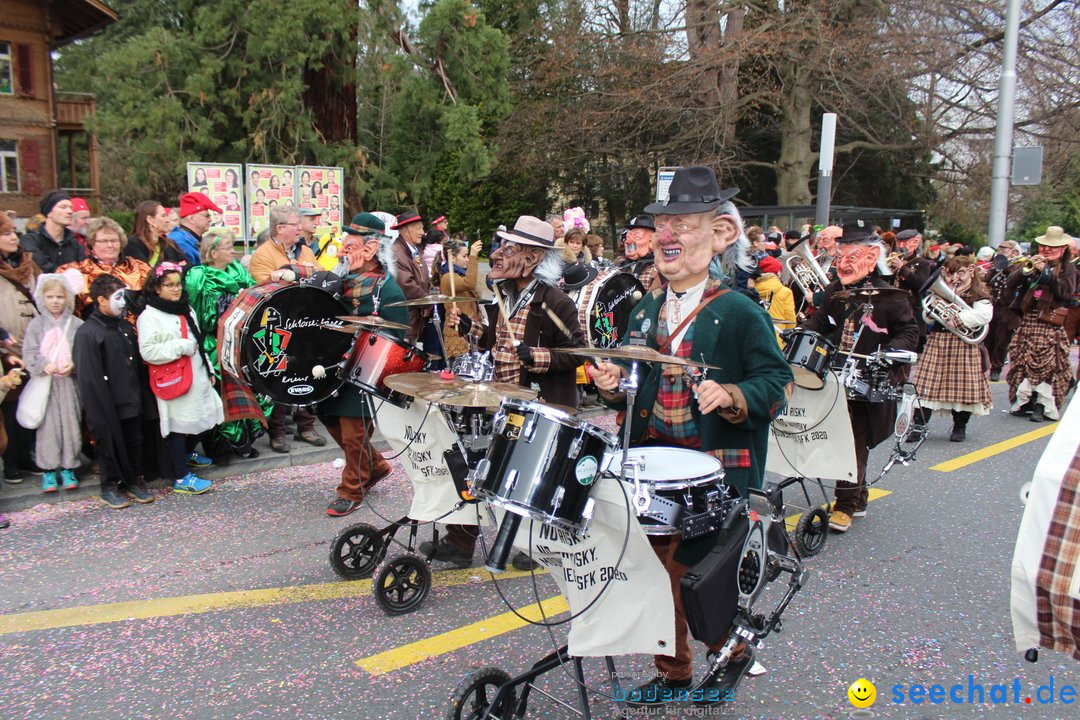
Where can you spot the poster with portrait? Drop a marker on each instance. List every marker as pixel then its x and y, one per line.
pixel 223 184
pixel 267 187
pixel 322 188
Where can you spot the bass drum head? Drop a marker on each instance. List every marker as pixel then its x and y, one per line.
pixel 604 307
pixel 668 468
pixel 282 342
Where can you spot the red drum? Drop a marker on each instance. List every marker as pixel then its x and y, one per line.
pixel 375 357
pixel 272 337
pixel 604 307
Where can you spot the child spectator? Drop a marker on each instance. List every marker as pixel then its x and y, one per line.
pixel 167 332
pixel 107 374
pixel 47 351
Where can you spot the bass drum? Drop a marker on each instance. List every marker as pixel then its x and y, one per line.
pixel 604 307
pixel 271 339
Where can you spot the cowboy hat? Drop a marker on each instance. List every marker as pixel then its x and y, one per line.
pixel 692 190
pixel 1055 237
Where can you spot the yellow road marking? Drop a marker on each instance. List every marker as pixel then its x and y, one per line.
pixel 874 494
pixel 213 602
pixel 458 638
pixel 995 449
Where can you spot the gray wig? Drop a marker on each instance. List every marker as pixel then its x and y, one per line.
pixel 550 269
pixel 737 255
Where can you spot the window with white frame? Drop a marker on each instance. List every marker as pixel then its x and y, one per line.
pixel 9 166
pixel 7 82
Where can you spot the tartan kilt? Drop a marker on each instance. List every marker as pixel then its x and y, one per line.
pixel 1039 353
pixel 949 376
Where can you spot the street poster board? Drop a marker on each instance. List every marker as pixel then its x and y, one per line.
pixel 222 183
pixel 267 186
pixel 322 188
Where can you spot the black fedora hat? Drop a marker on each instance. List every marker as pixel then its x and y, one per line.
pixel 577 276
pixel 857 231
pixel 692 190
pixel 641 221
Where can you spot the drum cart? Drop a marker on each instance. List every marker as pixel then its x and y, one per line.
pixel 812 529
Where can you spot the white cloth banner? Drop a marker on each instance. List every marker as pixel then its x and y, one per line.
pixel 635 612
pixel 812 437
pixel 1034 527
pixel 418 436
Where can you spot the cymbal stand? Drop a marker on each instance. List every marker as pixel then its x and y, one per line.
pixel 629 385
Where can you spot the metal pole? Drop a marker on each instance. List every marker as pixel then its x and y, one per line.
pixel 825 164
pixel 999 190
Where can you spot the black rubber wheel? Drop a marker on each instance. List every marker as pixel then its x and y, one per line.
pixel 356 552
pixel 474 694
pixel 811 532
pixel 402 584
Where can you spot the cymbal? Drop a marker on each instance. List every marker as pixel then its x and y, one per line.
pixel 456 391
pixel 437 299
pixel 641 353
pixel 867 292
pixel 373 321
pixel 338 328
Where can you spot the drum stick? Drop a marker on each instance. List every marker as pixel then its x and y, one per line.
pixel 504 316
pixel 453 292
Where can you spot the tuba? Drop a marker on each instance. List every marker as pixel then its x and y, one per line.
pixel 803 268
pixel 942 303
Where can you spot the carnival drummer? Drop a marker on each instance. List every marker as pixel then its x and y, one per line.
pixel 369 287
pixel 540 317
pixel 879 321
pixel 727 414
pixel 950 375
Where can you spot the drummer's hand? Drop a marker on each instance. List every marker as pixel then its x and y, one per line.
pixel 452 317
pixel 606 376
pixel 475 248
pixel 711 396
pixel 525 355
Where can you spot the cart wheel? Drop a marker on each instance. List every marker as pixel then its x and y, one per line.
pixel 402 584
pixel 356 552
pixel 811 532
pixel 474 695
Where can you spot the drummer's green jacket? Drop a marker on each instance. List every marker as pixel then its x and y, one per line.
pixel 735 334
pixel 349 401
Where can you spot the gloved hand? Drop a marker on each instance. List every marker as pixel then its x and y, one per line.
pixel 524 353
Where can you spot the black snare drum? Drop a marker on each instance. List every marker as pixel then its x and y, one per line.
pixel 810 356
pixel 685 489
pixel 272 338
pixel 542 464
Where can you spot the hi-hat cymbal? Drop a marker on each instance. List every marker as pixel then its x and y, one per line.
pixel 864 292
pixel 456 391
pixel 373 321
pixel 435 300
pixel 641 353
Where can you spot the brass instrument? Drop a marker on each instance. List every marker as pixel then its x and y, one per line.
pixel 1027 262
pixel 803 268
pixel 942 303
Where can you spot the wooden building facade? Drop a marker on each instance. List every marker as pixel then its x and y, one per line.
pixel 44 143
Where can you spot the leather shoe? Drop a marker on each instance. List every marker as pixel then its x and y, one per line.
pixel 280 445
pixel 1037 413
pixel 840 521
pixel 311 437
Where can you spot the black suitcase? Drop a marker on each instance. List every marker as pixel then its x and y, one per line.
pixel 710 589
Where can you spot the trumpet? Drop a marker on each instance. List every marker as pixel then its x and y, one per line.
pixel 1028 264
pixel 942 303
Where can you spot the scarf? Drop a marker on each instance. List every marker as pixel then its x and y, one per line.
pixel 183 309
pixel 20 270
pixel 443 269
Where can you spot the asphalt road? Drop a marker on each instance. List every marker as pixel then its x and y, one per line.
pixel 97 618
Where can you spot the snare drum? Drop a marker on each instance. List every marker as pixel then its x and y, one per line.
pixel 272 337
pixel 542 464
pixel 810 356
pixel 680 481
pixel 604 307
pixel 477 366
pixel 375 357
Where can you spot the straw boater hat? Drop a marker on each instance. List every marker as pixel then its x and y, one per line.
pixel 1055 237
pixel 529 230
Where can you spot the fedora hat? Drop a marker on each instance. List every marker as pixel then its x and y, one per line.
pixel 409 216
pixel 529 230
pixel 856 231
pixel 1055 237
pixel 692 190
pixel 577 276
pixel 641 221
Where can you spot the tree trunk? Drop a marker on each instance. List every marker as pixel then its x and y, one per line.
pixel 703 40
pixel 797 156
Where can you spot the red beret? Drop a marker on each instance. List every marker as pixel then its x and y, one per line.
pixel 196 202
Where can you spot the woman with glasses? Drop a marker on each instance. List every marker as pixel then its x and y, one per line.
pixel 103 239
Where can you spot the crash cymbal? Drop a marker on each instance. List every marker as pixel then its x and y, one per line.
pixel 338 328
pixel 436 300
pixel 866 292
pixel 456 391
pixel 373 321
pixel 641 353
